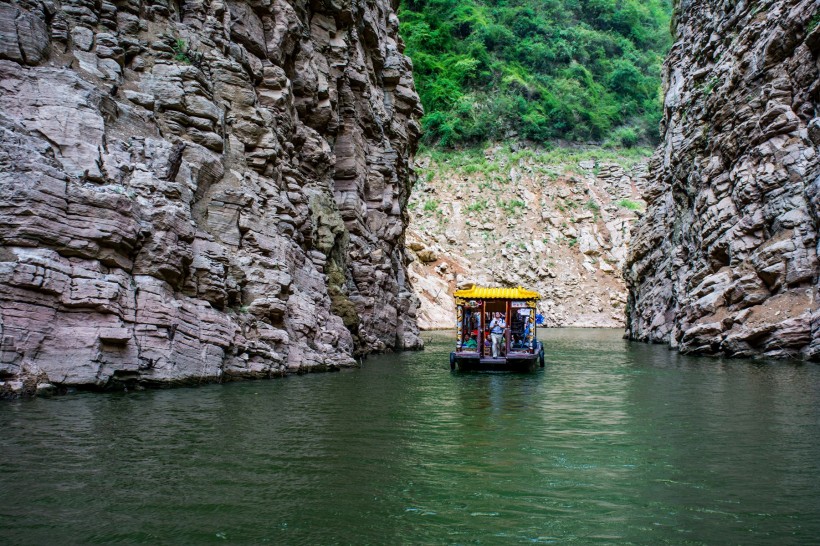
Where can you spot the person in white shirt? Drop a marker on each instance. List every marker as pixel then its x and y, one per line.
pixel 497 326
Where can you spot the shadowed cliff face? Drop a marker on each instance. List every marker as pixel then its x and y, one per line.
pixel 725 260
pixel 200 190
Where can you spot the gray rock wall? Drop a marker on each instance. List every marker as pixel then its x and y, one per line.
pixel 200 190
pixel 725 259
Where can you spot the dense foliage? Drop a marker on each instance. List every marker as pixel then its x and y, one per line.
pixel 580 70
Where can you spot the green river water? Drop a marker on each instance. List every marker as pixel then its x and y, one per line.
pixel 611 443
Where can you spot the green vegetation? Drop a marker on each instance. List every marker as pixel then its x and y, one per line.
pixel 813 23
pixel 184 54
pixel 539 70
pixel 709 87
pixel 593 207
pixel 630 205
pixel 181 51
pixel 512 206
pixel 551 161
pixel 494 172
pixel 625 137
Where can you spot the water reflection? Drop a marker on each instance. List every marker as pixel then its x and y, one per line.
pixel 726 446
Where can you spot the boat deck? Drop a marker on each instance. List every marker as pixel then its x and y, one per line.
pixel 502 359
pixel 511 356
pixel 512 362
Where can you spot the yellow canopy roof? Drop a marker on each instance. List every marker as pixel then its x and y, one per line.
pixel 484 293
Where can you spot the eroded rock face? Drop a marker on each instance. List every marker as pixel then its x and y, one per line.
pixel 196 191
pixel 725 260
pixel 561 229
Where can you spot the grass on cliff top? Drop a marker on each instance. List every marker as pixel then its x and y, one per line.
pixel 548 160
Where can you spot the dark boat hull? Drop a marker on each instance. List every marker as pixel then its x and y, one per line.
pixel 513 362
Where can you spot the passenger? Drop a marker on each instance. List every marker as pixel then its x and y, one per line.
pixel 517 343
pixel 527 327
pixel 475 321
pixel 497 326
pixel 470 344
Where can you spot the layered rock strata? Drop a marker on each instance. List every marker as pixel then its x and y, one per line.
pixel 559 228
pixel 201 190
pixel 725 260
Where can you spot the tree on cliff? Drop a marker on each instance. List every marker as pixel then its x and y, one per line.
pixel 580 70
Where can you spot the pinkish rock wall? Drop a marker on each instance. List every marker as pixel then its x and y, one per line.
pixel 725 260
pixel 201 190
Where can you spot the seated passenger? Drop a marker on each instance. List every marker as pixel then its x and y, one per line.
pixel 470 344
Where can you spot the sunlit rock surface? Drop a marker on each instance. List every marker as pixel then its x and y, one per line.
pixel 196 191
pixel 725 260
pixel 559 227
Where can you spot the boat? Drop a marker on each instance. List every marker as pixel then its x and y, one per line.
pixel 519 349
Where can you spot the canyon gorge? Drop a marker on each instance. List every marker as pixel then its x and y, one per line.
pixel 204 190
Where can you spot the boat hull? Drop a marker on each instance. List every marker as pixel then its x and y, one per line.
pixel 502 364
pixel 514 362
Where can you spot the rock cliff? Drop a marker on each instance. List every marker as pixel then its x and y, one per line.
pixel 199 190
pixel 725 260
pixel 557 222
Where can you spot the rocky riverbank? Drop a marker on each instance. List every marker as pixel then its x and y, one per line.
pixel 201 191
pixel 556 221
pixel 725 259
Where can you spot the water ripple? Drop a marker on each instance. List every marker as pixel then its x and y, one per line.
pixel 612 442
